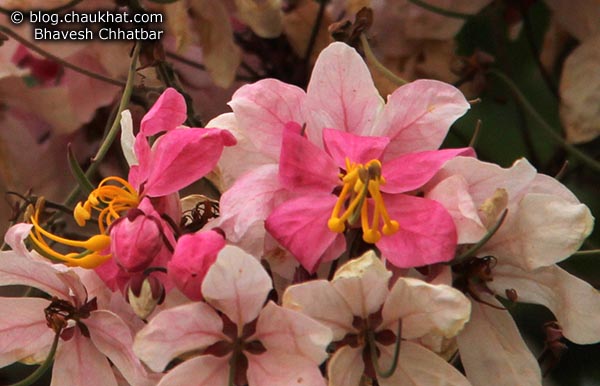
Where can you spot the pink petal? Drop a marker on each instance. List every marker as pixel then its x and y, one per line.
pixel 23 328
pixel 491 347
pixel 194 254
pixel 411 171
pixel 341 94
pixel 79 363
pixel 112 337
pixel 205 370
pixel 331 309
pixel 282 370
pixel 263 108
pixel 418 115
pixel 427 233
pixel 237 285
pixel 287 332
pixel 346 366
pixel 139 173
pixel 300 225
pixel 183 156
pixel 15 238
pixel 360 149
pixel 304 166
pixel 175 331
pixel 167 113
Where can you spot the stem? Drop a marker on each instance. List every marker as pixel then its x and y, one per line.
pixel 589 161
pixel 314 32
pixel 475 135
pixel 37 374
pixel 373 351
pixel 589 252
pixel 48 55
pixel 114 129
pixel 441 11
pixel 371 58
pixel 471 251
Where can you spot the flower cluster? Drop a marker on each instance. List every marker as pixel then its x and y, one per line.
pixel 347 249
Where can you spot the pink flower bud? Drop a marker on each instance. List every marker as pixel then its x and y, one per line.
pixel 193 256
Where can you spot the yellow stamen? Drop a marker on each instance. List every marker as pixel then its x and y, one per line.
pixel 363 182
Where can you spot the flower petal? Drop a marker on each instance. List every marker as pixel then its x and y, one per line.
pixel 346 366
pixel 175 331
pixel 331 309
pixel 24 329
pixel 262 110
pixel 15 238
pixel 341 94
pixel 183 156
pixel 425 308
pixel 418 115
pixel 360 149
pixel 411 171
pixel 575 303
pixel 127 138
pixel 427 234
pixel 282 369
pixel 491 348
pixel 167 113
pixel 205 370
pixel 300 225
pixel 237 285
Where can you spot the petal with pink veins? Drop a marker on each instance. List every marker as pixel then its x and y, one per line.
pixel 574 302
pixel 112 337
pixel 205 370
pixel 417 116
pixel 300 225
pixel 264 108
pixel 341 94
pixel 346 366
pixel 411 171
pixel 425 308
pixel 427 234
pixel 491 347
pixel 23 329
pixel 237 285
pixel 183 156
pixel 331 309
pixel 79 363
pixel 305 167
pixel 167 113
pixel 175 331
pixel 360 149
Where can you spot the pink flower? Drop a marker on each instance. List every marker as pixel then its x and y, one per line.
pixel 345 125
pixel 90 335
pixel 265 344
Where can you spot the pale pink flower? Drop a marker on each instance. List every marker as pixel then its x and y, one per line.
pixel 267 344
pixel 91 335
pixel 545 224
pixel 342 112
pixel 358 302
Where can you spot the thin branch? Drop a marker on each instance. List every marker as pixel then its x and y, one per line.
pixel 441 11
pixel 371 58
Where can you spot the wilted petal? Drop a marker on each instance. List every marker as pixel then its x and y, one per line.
pixel 544 229
pixel 79 363
pixel 491 348
pixel 287 332
pixel 205 370
pixel 575 303
pixel 112 337
pixel 176 331
pixel 427 233
pixel 418 115
pixel 300 225
pixel 167 113
pixel 237 285
pixel 24 329
pixel 425 308
pixel 183 156
pixel 360 149
pixel 263 16
pixel 419 366
pixel 411 171
pixel 331 309
pixel 363 283
pixel 346 367
pixel 341 94
pixel 262 110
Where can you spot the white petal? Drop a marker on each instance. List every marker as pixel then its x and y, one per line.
pixel 346 367
pixel 205 370
pixel 127 138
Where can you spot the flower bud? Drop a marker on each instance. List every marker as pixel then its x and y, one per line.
pixel 144 293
